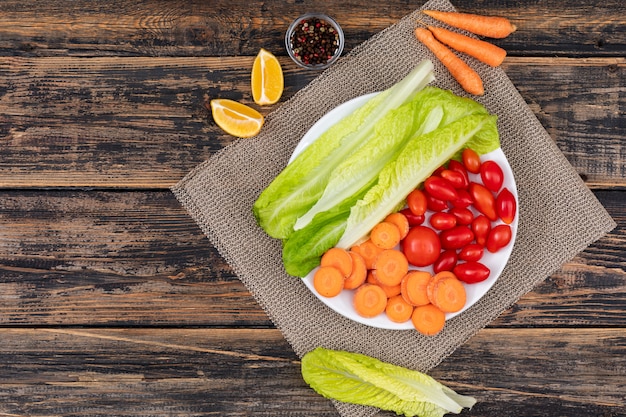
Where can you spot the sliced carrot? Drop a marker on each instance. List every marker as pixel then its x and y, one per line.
pixel 328 281
pixel 428 319
pixel 489 26
pixel 369 251
pixel 449 295
pixel 391 266
pixel 485 52
pixel 398 310
pixel 339 258
pixel 369 300
pixel 413 287
pixel 430 288
pixel 463 73
pixel 359 272
pixel 390 290
pixel 401 221
pixel 385 235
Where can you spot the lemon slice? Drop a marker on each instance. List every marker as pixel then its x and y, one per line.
pixel 235 118
pixel 267 78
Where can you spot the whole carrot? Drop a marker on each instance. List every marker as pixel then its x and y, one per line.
pixel 486 52
pixel 465 76
pixel 489 26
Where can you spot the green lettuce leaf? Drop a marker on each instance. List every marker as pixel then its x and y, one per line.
pixel 359 379
pixel 298 187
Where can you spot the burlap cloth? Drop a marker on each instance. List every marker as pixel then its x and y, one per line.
pixel 559 216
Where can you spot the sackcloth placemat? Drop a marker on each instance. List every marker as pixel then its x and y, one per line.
pixel 558 215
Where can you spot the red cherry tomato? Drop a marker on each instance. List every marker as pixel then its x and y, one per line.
pixel 481 226
pixel 471 252
pixel 442 220
pixel 506 206
pixel 440 188
pixel 457 166
pixel 435 204
pixel 499 237
pixel 464 200
pixel 484 201
pixel 492 175
pixel 471 272
pixel 414 219
pixel 421 246
pixel 456 238
pixel 446 261
pixel 416 201
pixel 464 216
pixel 471 160
pixel 453 177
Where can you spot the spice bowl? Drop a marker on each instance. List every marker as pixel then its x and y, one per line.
pixel 314 41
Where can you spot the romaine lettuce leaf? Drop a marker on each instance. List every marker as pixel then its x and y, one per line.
pixel 360 379
pixel 302 182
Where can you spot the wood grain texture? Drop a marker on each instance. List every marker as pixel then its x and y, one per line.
pixel 136 258
pixel 191 372
pixel 142 122
pixel 236 27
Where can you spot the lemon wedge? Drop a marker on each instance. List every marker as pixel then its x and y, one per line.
pixel 267 78
pixel 236 118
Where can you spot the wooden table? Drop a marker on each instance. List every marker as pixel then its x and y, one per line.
pixel 113 302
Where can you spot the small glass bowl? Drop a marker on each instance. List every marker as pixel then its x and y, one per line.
pixel 327 28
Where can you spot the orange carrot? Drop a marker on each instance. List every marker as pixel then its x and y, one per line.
pixel 391 266
pixel 449 295
pixel 489 26
pixel 400 221
pixel 428 319
pixel 414 287
pixel 432 284
pixel 369 300
pixel 465 76
pixel 385 235
pixel 339 258
pixel 359 272
pixel 485 52
pixel 369 251
pixel 390 290
pixel 328 281
pixel 398 310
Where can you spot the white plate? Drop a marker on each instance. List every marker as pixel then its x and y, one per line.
pixel 496 262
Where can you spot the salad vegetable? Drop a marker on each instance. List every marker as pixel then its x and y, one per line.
pixel 360 379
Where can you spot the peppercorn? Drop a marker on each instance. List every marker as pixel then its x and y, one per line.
pixel 314 41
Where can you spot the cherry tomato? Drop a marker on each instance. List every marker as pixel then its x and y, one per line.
pixel 499 237
pixel 442 220
pixel 414 219
pixel 464 216
pixel 456 238
pixel 484 201
pixel 416 200
pixel 464 200
pixel 435 204
pixel 471 160
pixel 506 206
pixel 446 261
pixel 453 177
pixel 492 175
pixel 457 166
pixel 481 226
pixel 421 246
pixel 471 272
pixel 471 252
pixel 440 188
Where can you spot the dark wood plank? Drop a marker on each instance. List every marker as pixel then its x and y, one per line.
pixel 223 372
pixel 117 123
pixel 137 259
pixel 236 27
